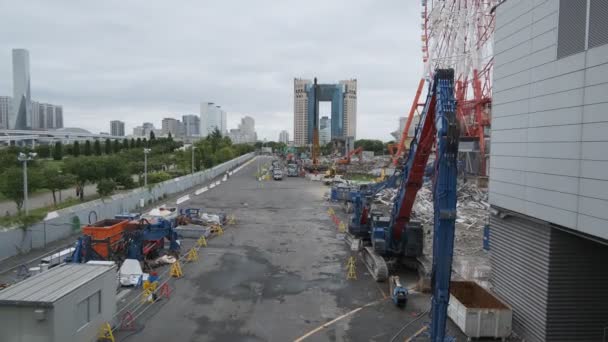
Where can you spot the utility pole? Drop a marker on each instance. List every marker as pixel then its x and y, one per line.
pixel 24 158
pixel 192 158
pixel 146 151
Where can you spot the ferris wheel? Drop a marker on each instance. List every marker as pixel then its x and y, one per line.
pixel 458 34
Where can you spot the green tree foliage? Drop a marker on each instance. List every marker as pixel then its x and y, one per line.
pixel 158 176
pixel 144 143
pixel 224 154
pixel 152 135
pixel 138 142
pixel 97 148
pixel 11 184
pixel 132 143
pixel 87 148
pixel 76 149
pixel 125 144
pixel 58 151
pixel 55 180
pixel 116 146
pixel 376 146
pixel 170 137
pixel 108 146
pixel 43 150
pixel 106 187
pixel 85 169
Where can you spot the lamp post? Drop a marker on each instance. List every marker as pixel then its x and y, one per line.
pixel 192 164
pixel 24 158
pixel 146 151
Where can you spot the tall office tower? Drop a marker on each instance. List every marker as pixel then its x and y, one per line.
pixel 300 112
pixel 59 117
pixel 284 137
pixel 212 117
pixel 171 125
pixel 147 128
pixel 49 115
pixel 20 117
pixel 324 130
pixel 138 131
pixel 6 106
pixel 350 108
pixel 224 121
pixel 191 125
pixel 117 128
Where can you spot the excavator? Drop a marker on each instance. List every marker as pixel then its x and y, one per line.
pixel 346 160
pixel 397 237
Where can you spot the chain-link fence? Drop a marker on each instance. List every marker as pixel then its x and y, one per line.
pixel 69 220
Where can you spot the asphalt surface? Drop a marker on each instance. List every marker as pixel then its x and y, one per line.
pixel 278 274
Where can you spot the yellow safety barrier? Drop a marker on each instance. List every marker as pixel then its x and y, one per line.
pixel 176 270
pixel 331 211
pixel 192 255
pixel 217 230
pixel 147 295
pixel 202 241
pixel 351 267
pixel 105 334
pixel 231 219
pixel 342 227
pixel 150 285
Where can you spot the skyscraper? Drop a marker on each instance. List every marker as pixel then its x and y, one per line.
pixel 284 137
pixel 300 112
pixel 350 108
pixel 20 117
pixel 6 107
pixel 324 130
pixel 192 125
pixel 245 133
pixel 212 117
pixel 59 117
pixel 117 128
pixel 171 125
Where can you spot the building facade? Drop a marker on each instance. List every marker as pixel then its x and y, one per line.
pixel 549 167
pixel 324 130
pixel 284 137
pixel 191 124
pixel 117 128
pixel 343 98
pixel 171 125
pixel 6 107
pixel 212 117
pixel 245 133
pixel 20 118
pixel 147 127
pixel 45 116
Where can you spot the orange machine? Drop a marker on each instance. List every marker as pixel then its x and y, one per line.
pixel 109 231
pixel 346 160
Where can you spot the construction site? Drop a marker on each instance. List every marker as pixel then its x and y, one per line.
pixel 485 220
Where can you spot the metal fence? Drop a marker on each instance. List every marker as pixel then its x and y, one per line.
pixel 68 221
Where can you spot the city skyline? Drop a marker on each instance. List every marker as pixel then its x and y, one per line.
pixel 114 68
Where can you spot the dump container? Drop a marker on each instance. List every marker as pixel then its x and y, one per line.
pixel 477 312
pixel 109 230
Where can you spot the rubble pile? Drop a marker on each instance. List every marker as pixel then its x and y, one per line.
pixel 472 215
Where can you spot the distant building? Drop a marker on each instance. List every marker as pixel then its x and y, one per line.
pixel 192 125
pixel 45 116
pixel 58 117
pixel 324 130
pixel 212 117
pixel 20 117
pixel 284 137
pixel 343 97
pixel 6 107
pixel 147 128
pixel 138 131
pixel 171 125
pixel 117 128
pixel 245 133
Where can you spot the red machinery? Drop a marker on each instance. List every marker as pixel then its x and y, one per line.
pixel 346 160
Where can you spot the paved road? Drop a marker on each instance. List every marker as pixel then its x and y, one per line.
pixel 45 199
pixel 277 275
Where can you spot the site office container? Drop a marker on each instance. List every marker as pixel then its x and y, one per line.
pixel 104 234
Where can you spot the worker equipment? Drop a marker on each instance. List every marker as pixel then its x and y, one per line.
pixel 398 292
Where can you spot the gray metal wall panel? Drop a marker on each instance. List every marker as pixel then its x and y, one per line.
pixel 598 25
pixel 572 27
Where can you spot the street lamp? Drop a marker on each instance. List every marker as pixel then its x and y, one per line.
pixel 193 158
pixel 146 151
pixel 22 157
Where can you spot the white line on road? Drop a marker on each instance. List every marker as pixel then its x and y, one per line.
pixel 182 199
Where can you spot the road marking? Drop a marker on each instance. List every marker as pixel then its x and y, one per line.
pixel 182 199
pixel 350 313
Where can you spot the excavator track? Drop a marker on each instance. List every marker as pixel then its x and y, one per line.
pixel 375 264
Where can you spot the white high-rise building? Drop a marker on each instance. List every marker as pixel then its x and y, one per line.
pixel 117 128
pixel 45 116
pixel 171 125
pixel 300 112
pixel 350 107
pixel 6 107
pixel 284 137
pixel 245 134
pixel 191 125
pixel 20 117
pixel 212 117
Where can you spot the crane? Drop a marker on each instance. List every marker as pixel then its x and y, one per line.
pixel 398 236
pixel 346 160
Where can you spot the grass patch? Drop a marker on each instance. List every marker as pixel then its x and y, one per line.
pixel 38 214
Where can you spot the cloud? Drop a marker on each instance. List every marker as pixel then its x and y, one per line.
pixel 145 60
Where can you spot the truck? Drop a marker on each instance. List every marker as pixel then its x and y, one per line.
pixel 292 170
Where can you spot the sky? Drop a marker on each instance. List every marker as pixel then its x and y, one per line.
pixel 145 60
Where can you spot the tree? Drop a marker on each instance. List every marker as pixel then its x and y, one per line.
pixel 144 143
pixel 97 148
pixel 58 151
pixel 87 148
pixel 55 180
pixel 370 145
pixel 76 149
pixel 169 137
pixel 43 150
pixel 125 144
pixel 116 146
pixel 138 142
pixel 108 146
pixel 11 184
pixel 224 154
pixel 152 135
pixel 85 169
pixel 132 143
pixel 105 187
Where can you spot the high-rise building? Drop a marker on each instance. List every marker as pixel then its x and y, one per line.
pixel 212 117
pixel 6 106
pixel 343 98
pixel 49 115
pixel 117 128
pixel 147 128
pixel 284 137
pixel 46 116
pixel 245 134
pixel 192 125
pixel 59 117
pixel 171 125
pixel 138 131
pixel 324 130
pixel 20 117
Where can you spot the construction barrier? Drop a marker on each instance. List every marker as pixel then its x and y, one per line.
pixel 106 333
pixel 351 273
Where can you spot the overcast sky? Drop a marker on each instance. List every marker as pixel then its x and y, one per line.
pixel 144 60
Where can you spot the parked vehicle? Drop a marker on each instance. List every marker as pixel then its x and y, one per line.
pixel 277 174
